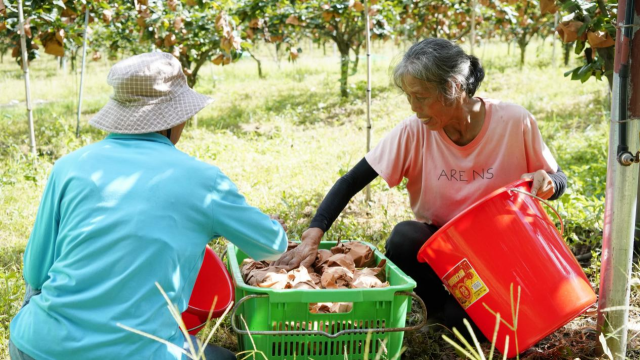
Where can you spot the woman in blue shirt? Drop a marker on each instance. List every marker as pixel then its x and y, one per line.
pixel 121 214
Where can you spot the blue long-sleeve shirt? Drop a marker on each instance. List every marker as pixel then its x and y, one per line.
pixel 116 217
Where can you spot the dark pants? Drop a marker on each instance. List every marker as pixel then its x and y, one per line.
pixel 402 248
pixel 16 354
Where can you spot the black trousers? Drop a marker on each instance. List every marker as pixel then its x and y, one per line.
pixel 402 248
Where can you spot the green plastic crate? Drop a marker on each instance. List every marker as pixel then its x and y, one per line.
pixel 281 326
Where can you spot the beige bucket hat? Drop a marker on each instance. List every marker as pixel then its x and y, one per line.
pixel 150 94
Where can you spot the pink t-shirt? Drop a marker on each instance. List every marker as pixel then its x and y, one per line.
pixel 444 178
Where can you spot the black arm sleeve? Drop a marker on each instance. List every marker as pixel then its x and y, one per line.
pixel 559 179
pixel 340 194
pixel 362 174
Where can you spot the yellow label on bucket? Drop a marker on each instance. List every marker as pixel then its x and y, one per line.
pixel 464 284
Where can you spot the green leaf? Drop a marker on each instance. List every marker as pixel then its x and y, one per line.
pixel 586 68
pixel 574 74
pixel 580 44
pixel 586 6
pixel 59 3
pixel 48 17
pixel 583 28
pixel 610 29
pixel 567 73
pixel 585 73
pixel 598 74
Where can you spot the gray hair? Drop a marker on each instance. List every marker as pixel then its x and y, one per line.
pixel 443 64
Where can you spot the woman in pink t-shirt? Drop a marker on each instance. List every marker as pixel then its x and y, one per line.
pixel 456 149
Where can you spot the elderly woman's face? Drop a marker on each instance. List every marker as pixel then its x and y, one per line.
pixel 426 103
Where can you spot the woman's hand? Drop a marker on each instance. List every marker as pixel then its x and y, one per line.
pixel 542 184
pixel 305 253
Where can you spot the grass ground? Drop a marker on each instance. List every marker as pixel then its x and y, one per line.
pixel 287 138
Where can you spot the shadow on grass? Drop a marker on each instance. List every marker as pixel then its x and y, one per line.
pixel 302 108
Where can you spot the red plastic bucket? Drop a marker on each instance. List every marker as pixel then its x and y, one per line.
pixel 502 249
pixel 213 280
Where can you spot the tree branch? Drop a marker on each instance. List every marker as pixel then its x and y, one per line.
pixel 201 60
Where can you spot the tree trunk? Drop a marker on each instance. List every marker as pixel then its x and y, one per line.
pixel 522 44
pixel 62 63
pixel 193 77
pixel 567 52
pixel 344 69
pixel 356 51
pixel 191 80
pixel 260 75
pixel 73 61
pixel 277 55
pixel 607 54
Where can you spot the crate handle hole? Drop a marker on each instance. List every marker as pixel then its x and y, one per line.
pixel 328 308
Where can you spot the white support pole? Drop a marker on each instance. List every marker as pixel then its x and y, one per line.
pixel 473 26
pixel 621 185
pixel 25 70
pixel 84 56
pixel 617 239
pixel 368 36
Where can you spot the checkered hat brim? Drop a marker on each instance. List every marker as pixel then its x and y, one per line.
pixel 151 94
pixel 120 118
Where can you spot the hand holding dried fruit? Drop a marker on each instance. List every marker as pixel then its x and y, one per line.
pixel 305 253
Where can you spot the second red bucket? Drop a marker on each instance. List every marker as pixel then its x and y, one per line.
pixel 213 284
pixel 504 255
